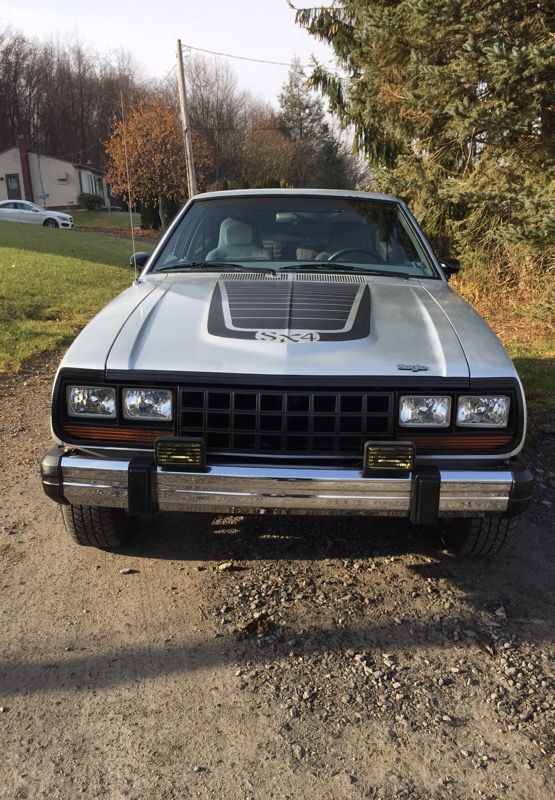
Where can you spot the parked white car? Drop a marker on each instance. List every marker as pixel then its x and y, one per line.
pixel 24 211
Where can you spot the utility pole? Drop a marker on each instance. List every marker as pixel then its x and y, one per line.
pixel 189 160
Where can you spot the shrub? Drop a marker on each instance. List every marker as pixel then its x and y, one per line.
pixel 167 210
pixel 150 217
pixel 90 201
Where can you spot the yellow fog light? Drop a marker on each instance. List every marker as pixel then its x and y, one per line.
pixel 185 453
pixel 388 457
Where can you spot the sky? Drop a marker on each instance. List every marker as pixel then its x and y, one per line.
pixel 263 29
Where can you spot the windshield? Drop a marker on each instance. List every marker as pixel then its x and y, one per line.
pixel 292 230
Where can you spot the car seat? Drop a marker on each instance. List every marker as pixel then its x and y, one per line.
pixel 237 241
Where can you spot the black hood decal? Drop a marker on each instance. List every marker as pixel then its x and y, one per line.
pixel 296 310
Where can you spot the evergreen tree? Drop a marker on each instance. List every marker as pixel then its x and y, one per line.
pixel 320 160
pixel 300 111
pixel 452 102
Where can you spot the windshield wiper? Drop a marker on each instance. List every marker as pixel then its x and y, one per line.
pixel 214 266
pixel 343 268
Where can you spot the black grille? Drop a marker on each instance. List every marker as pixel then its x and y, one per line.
pixel 314 424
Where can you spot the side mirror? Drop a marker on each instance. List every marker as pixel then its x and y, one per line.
pixel 450 266
pixel 139 260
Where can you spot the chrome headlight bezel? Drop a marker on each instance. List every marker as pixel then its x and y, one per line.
pixel 426 421
pixel 484 400
pixel 153 401
pixel 72 401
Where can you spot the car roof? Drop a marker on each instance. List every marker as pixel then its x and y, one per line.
pixel 299 192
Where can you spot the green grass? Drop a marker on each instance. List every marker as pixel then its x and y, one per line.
pixel 51 283
pixel 535 362
pixel 522 316
pixel 116 220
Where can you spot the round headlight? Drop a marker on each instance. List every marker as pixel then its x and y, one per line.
pixel 424 411
pixel 91 401
pixel 147 404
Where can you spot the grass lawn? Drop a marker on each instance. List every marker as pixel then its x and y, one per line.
pixel 114 220
pixel 535 362
pixel 527 329
pixel 51 283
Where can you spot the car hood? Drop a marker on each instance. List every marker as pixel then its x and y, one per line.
pixel 203 323
pixel 235 324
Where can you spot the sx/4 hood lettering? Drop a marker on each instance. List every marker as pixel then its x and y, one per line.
pixel 298 337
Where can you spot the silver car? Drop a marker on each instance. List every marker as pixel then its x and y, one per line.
pixel 25 211
pixel 290 351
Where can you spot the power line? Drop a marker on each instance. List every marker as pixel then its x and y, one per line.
pixel 169 72
pixel 245 58
pixel 187 47
pixel 240 58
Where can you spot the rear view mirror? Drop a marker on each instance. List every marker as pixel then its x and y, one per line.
pixel 450 266
pixel 139 260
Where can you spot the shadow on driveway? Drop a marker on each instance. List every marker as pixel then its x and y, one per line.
pixel 521 580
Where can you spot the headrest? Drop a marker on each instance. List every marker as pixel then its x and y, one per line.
pixel 234 232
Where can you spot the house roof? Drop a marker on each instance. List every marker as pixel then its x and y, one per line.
pixel 89 167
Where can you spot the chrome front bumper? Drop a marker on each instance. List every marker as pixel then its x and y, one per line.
pixel 140 487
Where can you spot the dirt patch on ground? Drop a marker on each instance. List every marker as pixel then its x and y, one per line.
pixel 266 657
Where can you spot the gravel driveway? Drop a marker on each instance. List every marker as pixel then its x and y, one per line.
pixel 266 657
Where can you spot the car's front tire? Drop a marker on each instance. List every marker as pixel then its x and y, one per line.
pixel 50 223
pixel 96 526
pixel 478 537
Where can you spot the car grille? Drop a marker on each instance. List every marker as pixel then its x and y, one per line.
pixel 310 425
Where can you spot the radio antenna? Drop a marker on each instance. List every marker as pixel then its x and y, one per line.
pixel 128 182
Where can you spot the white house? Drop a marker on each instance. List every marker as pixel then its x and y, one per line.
pixel 46 180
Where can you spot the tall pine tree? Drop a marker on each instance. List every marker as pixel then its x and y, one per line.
pixel 321 159
pixel 301 112
pixel 452 102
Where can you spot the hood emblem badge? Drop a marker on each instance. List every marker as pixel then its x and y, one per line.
pixel 413 367
pixel 296 337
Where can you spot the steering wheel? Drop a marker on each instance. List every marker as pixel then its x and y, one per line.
pixel 339 253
